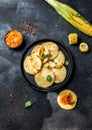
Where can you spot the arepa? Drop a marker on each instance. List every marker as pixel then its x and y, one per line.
pixel 67 99
pixel 59 60
pixel 60 74
pixel 44 78
pixel 42 52
pixel 32 64
pixel 53 49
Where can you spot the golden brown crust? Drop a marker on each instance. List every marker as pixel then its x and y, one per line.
pixel 32 64
pixel 59 60
pixel 42 52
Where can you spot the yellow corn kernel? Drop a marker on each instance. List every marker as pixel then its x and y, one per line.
pixel 73 38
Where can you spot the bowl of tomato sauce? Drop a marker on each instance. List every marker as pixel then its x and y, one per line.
pixel 13 38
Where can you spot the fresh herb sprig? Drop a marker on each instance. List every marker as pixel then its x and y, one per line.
pixel 49 78
pixel 66 63
pixel 45 56
pixel 28 104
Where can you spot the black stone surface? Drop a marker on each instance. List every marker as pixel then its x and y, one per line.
pixel 45 114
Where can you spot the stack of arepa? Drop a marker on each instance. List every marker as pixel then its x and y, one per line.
pixel 46 64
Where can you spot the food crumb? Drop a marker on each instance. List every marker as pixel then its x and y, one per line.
pixel 11 95
pixel 29 28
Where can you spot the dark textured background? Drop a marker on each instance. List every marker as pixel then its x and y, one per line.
pixel 45 114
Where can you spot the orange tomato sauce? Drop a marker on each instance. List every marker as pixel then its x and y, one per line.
pixel 67 99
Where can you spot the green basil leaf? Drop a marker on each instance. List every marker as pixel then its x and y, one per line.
pixel 66 62
pixel 49 78
pixel 45 56
pixel 28 104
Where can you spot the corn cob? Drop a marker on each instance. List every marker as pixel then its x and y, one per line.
pixel 72 16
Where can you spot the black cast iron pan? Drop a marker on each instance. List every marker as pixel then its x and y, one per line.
pixel 30 78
